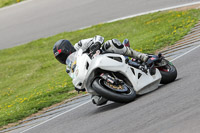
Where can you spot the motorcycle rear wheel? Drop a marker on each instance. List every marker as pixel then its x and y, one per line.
pixel 99 85
pixel 168 73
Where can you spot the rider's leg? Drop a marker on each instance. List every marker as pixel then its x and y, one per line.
pixel 115 46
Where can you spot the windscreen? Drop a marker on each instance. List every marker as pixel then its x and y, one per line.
pixel 71 64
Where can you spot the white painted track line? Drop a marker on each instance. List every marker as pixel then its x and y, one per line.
pixel 14 5
pixel 143 13
pixel 153 11
pixel 57 116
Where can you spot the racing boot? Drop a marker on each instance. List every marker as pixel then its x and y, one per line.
pixel 98 100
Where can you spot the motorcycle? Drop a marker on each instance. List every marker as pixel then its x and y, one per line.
pixel 115 77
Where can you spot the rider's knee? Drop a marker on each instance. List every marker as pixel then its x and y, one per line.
pixel 114 46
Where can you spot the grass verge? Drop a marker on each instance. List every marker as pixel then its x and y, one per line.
pixel 8 2
pixel 31 79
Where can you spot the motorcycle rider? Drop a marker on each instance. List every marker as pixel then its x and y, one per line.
pixel 63 48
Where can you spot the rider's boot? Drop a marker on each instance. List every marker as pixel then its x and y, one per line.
pixel 130 52
pixel 98 100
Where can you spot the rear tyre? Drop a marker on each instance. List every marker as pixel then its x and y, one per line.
pixel 101 87
pixel 168 73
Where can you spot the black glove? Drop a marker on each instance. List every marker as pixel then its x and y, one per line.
pixel 97 42
pixel 94 47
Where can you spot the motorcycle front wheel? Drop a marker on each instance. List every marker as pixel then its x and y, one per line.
pixel 121 94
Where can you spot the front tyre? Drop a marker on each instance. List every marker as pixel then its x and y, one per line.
pixel 168 73
pixel 108 91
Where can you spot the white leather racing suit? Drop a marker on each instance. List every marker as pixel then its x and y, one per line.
pixel 113 46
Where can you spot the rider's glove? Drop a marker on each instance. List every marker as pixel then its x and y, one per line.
pixel 96 45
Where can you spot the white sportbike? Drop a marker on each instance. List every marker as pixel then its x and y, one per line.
pixel 117 78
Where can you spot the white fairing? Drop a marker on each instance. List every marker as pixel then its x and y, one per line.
pixel 81 69
pixel 141 82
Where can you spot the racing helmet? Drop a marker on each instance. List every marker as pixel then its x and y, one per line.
pixel 62 49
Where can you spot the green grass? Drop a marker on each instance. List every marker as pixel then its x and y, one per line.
pixel 31 78
pixel 8 2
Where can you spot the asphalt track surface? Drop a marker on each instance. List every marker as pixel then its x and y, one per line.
pixel 33 19
pixel 173 108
